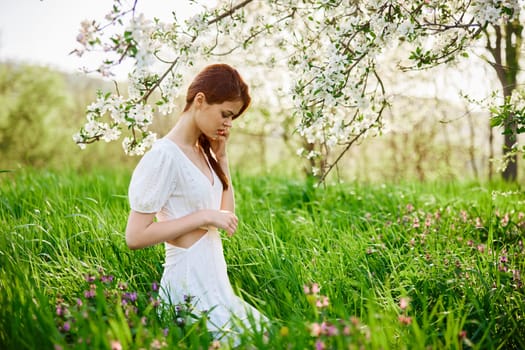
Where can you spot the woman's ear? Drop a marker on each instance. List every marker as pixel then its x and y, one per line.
pixel 199 99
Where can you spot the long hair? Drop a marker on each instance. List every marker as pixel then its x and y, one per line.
pixel 219 83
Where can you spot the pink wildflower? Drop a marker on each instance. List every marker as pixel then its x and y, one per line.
pixel 315 329
pixel 505 220
pixel 115 345
pixel 319 345
pixel 404 302
pixel 157 344
pixel 479 223
pixel 315 288
pixel 59 310
pixel 406 320
pixel 330 330
pixel 322 302
pixel 306 289
pixel 215 345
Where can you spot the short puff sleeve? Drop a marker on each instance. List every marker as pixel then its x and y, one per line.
pixel 152 182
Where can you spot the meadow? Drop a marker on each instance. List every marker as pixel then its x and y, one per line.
pixel 341 266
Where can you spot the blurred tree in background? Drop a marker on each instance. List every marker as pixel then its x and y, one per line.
pixel 39 110
pixel 31 100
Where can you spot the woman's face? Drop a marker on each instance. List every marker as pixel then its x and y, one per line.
pixel 215 120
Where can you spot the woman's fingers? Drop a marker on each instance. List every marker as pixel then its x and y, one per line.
pixel 230 223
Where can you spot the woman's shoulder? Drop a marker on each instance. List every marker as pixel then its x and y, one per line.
pixel 165 148
pixel 163 153
pixel 154 178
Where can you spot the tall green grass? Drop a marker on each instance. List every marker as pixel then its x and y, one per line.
pixel 406 266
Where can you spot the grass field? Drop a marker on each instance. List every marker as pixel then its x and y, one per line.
pixel 347 266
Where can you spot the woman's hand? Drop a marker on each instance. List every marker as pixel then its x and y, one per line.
pixel 223 219
pixel 218 144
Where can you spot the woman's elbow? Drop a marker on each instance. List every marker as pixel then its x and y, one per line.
pixel 132 241
pixel 136 230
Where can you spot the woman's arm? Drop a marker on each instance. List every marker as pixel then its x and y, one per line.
pixel 142 231
pixel 228 199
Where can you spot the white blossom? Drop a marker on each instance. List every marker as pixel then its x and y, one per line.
pixel 111 134
pixel 330 54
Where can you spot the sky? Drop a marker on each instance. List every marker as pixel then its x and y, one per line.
pixel 43 32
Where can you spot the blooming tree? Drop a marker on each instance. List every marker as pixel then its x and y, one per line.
pixel 330 49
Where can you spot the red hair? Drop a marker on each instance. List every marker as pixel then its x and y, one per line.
pixel 219 83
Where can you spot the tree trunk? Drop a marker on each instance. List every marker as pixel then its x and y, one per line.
pixel 511 170
pixel 506 64
pixel 491 153
pixel 472 144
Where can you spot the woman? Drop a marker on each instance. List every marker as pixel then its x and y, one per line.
pixel 184 181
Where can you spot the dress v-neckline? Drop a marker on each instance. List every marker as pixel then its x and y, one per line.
pixel 210 181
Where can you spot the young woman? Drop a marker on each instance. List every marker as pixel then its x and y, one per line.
pixel 184 182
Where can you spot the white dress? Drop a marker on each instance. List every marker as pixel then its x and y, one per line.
pixel 168 183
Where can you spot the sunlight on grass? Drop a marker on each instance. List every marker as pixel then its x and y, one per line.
pixel 346 266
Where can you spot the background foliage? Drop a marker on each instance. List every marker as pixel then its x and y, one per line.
pixel 429 138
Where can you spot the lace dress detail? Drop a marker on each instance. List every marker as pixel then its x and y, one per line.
pixel 169 184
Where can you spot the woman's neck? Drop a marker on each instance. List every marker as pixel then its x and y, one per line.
pixel 185 132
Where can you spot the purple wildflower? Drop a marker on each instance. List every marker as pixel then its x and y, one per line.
pixel 131 296
pixel 59 310
pixel 90 278
pixel 106 279
pixel 88 294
